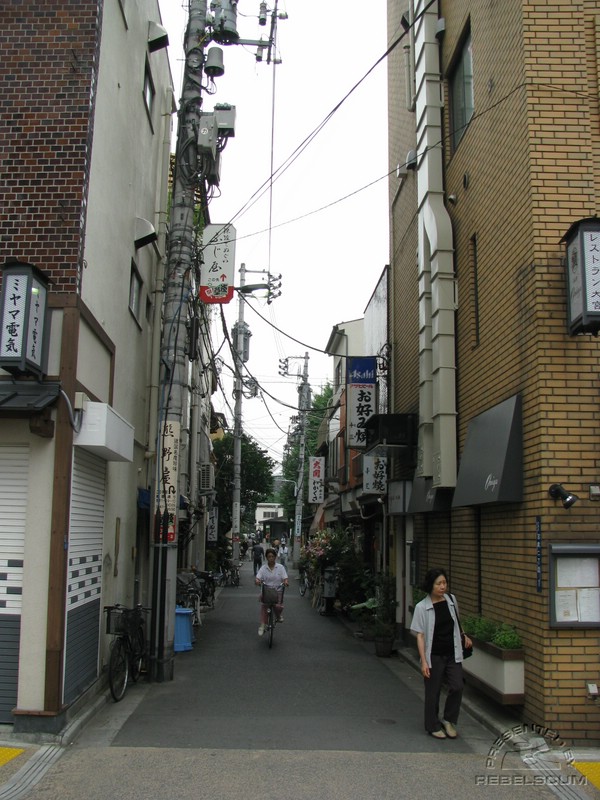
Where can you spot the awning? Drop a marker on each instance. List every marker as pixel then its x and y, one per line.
pixel 491 467
pixel 27 397
pixel 424 497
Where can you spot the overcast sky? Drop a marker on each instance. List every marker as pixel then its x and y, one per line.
pixel 324 224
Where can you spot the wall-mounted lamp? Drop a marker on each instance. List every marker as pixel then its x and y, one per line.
pixel 144 233
pixel 558 492
pixel 158 37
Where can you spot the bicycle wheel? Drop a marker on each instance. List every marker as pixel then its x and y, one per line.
pixel 235 578
pixel 118 669
pixel 302 586
pixel 271 625
pixel 137 656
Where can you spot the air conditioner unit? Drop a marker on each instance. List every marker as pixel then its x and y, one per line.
pixel 206 478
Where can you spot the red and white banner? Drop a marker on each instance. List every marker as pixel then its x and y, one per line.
pixel 316 480
pixel 217 271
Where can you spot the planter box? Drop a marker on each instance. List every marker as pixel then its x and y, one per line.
pixel 498 673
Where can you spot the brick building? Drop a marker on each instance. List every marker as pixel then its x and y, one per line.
pixel 86 102
pixel 494 143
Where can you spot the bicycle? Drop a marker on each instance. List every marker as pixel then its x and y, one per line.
pixel 128 650
pixel 234 575
pixel 271 597
pixel 305 581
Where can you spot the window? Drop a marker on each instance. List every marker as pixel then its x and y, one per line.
pixel 149 92
pixel 135 292
pixel 462 103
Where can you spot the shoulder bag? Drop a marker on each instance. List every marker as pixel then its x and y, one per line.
pixel 467 651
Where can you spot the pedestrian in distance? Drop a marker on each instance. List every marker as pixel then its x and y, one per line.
pixel 257 556
pixel 282 554
pixel 437 628
pixel 272 575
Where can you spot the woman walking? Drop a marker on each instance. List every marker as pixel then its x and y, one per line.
pixel 436 625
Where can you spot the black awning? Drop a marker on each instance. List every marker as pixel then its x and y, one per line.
pixel 491 467
pixel 27 397
pixel 425 497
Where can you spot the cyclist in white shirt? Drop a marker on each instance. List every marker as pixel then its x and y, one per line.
pixel 272 575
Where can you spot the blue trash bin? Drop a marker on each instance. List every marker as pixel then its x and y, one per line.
pixel 183 630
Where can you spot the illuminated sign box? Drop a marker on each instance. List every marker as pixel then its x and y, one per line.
pixel 23 343
pixel 583 276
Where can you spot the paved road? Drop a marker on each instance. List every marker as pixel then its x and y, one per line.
pixel 317 717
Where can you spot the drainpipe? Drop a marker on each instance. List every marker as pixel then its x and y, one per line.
pixel 437 284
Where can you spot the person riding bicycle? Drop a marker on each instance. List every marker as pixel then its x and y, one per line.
pixel 272 575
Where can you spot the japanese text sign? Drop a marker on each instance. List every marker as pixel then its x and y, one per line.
pixel 22 342
pixel 218 268
pixel 168 475
pixel 375 474
pixel 316 480
pixel 361 379
pixel 583 276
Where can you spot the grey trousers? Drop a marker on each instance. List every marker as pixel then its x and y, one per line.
pixel 443 667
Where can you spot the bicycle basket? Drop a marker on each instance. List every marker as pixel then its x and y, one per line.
pixel 116 621
pixel 270 596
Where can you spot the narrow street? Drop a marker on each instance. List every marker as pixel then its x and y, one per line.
pixel 317 716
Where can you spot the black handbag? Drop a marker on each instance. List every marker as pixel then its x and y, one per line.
pixel 467 651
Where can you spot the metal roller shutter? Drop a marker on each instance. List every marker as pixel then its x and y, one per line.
pixel 14 481
pixel 84 587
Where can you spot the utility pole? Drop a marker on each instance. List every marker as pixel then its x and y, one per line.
pixel 242 352
pixel 179 285
pixel 304 400
pixel 242 341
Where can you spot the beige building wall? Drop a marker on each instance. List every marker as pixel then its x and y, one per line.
pixel 524 171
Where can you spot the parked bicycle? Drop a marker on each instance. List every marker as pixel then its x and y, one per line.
pixel 128 650
pixel 271 597
pixel 305 581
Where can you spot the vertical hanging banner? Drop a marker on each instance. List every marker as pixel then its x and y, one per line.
pixel 361 380
pixel 212 528
pixel 316 480
pixel 218 268
pixel 375 474
pixel 168 475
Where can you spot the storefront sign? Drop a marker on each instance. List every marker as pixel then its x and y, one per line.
pixel 23 316
pixel 168 475
pixel 217 272
pixel 316 480
pixel 361 379
pixel 583 276
pixel 375 474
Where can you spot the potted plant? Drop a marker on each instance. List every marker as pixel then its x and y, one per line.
pixel 384 635
pixel 497 666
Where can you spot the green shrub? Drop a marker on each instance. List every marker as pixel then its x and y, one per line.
pixel 507 638
pixel 487 630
